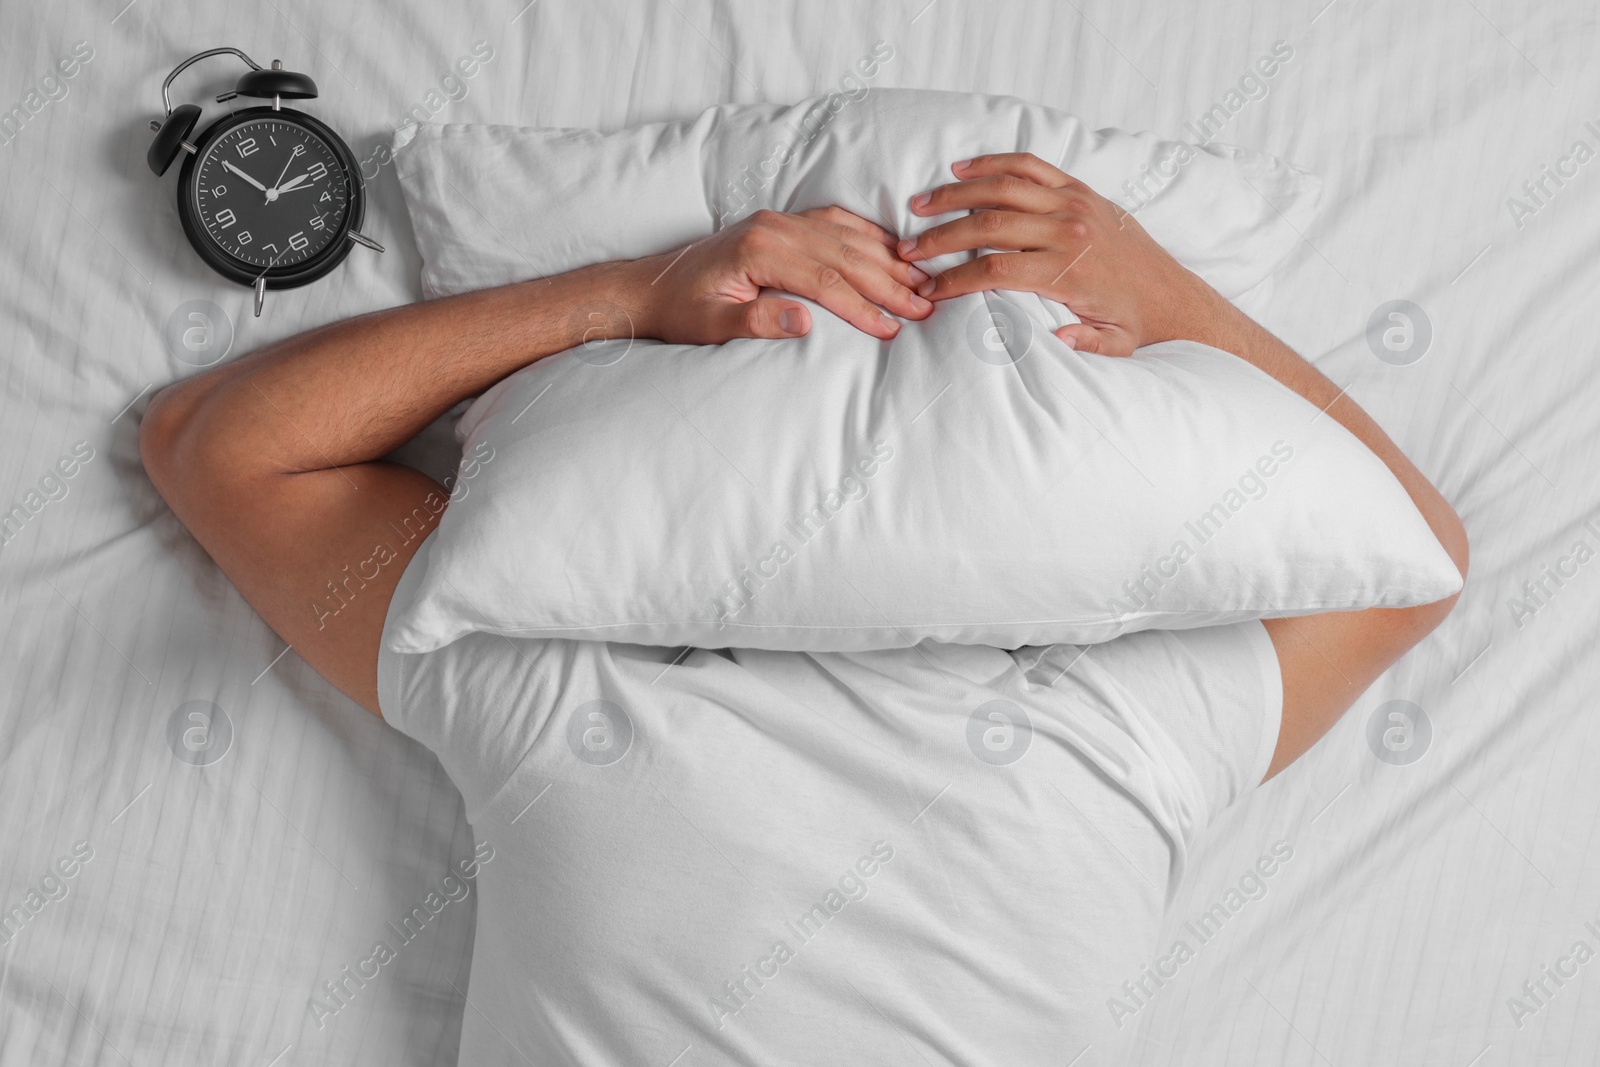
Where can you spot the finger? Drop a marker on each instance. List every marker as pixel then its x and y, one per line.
pixel 767 316
pixel 880 252
pixel 1010 230
pixel 870 269
pixel 905 279
pixel 807 276
pixel 907 274
pixel 786 252
pixel 839 216
pixel 1102 340
pixel 997 190
pixel 1027 272
pixel 1020 164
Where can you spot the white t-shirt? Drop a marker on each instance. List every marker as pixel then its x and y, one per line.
pixel 945 854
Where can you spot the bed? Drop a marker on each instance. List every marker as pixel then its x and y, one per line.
pixel 222 880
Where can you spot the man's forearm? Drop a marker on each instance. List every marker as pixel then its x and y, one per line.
pixel 356 390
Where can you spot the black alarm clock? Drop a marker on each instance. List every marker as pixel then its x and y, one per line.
pixel 269 197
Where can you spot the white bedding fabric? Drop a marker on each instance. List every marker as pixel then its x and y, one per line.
pixel 1420 898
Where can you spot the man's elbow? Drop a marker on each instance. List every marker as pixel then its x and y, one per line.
pixel 1452 534
pixel 1425 618
pixel 170 439
pixel 159 430
pixel 1454 539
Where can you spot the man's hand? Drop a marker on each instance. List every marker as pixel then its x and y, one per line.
pixel 710 292
pixel 1062 240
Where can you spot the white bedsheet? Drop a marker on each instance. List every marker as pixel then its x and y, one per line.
pixel 217 899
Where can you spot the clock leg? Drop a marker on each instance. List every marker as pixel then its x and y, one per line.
pixel 363 239
pixel 261 293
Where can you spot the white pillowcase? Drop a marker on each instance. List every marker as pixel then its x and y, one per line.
pixel 974 480
pixel 496 204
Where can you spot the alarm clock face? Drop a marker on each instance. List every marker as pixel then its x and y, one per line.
pixel 270 193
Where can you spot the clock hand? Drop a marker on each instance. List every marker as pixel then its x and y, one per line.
pixel 245 176
pixel 285 169
pixel 272 194
pixel 293 183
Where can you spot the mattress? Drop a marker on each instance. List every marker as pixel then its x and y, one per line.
pixel 238 833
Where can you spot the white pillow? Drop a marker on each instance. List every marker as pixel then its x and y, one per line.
pixel 974 480
pixel 496 204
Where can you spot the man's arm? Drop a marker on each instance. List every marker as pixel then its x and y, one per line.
pixel 1064 241
pixel 274 461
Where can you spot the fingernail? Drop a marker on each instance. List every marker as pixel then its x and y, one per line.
pixel 961 164
pixel 889 321
pixel 918 276
pixel 921 199
pixel 789 320
pixel 908 246
pixel 921 304
pixel 926 288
